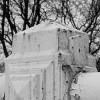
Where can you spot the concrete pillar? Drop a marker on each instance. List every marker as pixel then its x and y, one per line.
pixel 34 70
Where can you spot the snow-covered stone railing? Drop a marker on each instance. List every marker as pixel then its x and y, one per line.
pixel 44 60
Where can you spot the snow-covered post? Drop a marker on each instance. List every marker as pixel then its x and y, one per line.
pixel 44 61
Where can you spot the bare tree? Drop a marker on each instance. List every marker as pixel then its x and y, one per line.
pixel 17 15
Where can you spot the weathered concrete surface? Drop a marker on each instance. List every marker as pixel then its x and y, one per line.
pixel 48 38
pixel 2 85
pixel 34 79
pixel 37 59
pixel 87 87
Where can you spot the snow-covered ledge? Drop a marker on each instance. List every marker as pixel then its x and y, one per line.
pixel 43 61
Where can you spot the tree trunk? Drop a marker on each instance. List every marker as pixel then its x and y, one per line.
pixel 3 24
pixel 4 48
